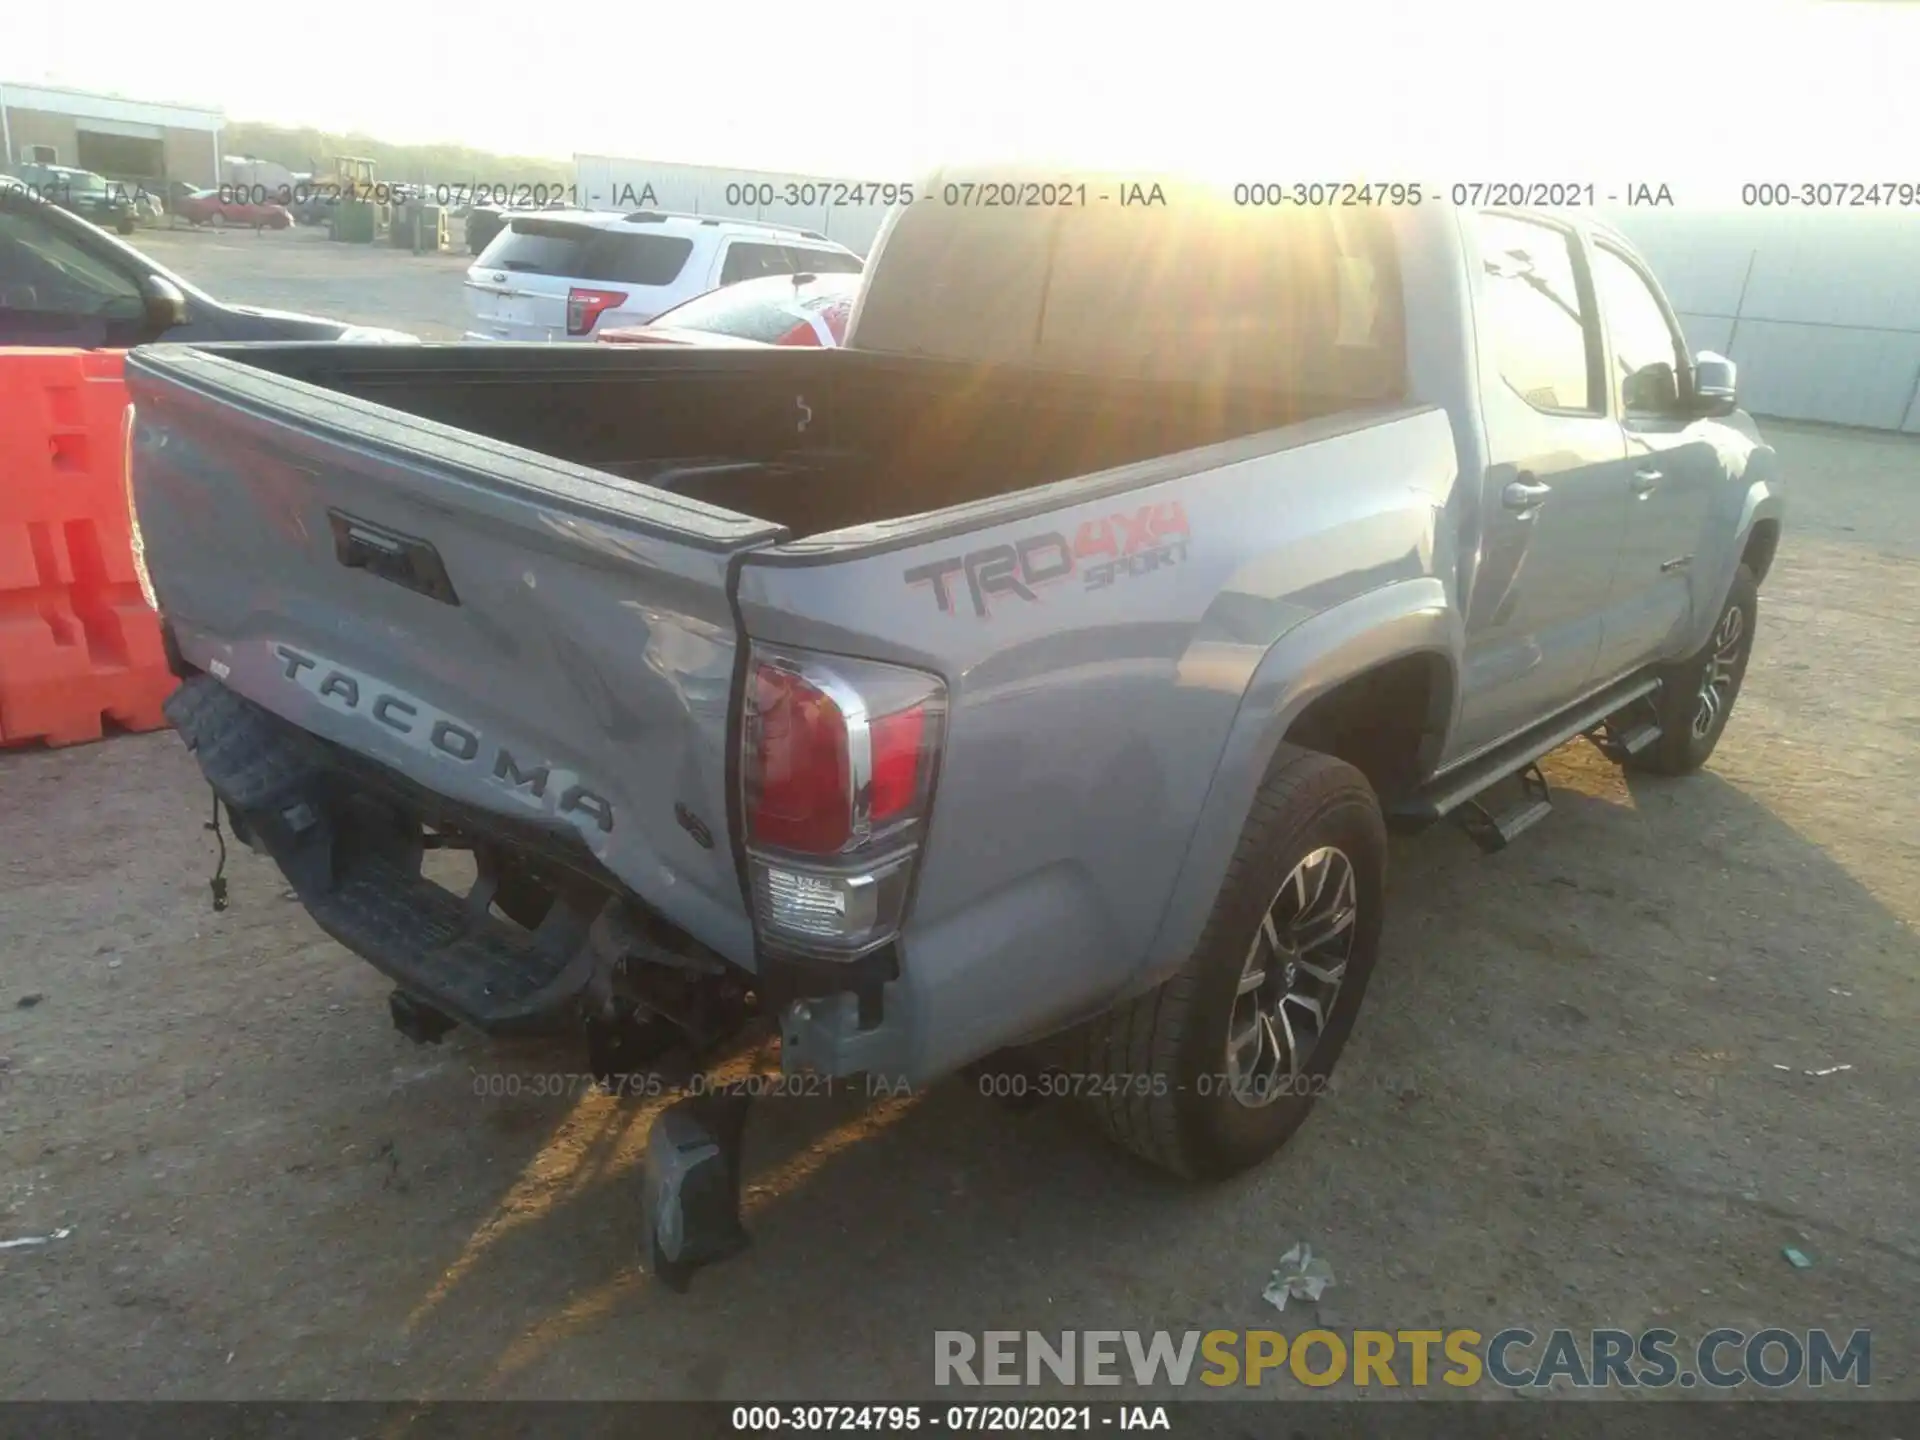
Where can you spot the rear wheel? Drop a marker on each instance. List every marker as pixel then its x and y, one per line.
pixel 1699 693
pixel 1215 1069
pixel 217 220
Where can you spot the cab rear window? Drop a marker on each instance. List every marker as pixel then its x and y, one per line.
pixel 1304 299
pixel 1199 290
pixel 586 252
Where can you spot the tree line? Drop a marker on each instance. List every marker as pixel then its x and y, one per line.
pixel 303 149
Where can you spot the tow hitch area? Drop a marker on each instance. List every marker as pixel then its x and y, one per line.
pixel 533 948
pixel 691 1186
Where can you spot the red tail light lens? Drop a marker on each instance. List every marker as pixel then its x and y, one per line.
pixel 585 307
pixel 801 334
pixel 896 742
pixel 799 798
pixel 838 753
pixel 838 767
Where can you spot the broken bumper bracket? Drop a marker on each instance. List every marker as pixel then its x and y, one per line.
pixel 691 1186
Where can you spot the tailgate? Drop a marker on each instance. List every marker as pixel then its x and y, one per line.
pixel 505 305
pixel 511 631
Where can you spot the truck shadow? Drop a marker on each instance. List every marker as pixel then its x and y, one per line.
pixel 1611 1019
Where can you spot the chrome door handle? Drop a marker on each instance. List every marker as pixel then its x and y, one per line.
pixel 1520 495
pixel 1644 481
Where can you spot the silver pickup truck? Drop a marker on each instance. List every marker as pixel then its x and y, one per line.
pixel 1036 677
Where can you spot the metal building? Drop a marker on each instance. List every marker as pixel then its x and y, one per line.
pixel 1820 308
pixel 112 136
pixel 606 182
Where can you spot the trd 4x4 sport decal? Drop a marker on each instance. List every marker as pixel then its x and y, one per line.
pixel 1101 551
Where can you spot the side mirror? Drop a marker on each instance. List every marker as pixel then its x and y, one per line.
pixel 166 307
pixel 1714 391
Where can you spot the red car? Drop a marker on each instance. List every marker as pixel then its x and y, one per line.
pixel 211 207
pixel 776 310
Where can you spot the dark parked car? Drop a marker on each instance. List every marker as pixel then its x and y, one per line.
pixel 483 223
pixel 313 203
pixel 66 282
pixel 92 197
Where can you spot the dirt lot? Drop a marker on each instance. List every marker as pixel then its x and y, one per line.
pixel 300 269
pixel 1577 1095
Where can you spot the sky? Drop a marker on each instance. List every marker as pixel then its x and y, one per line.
pixel 1707 93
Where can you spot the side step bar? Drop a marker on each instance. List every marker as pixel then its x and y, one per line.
pixel 1619 738
pixel 1495 830
pixel 1520 756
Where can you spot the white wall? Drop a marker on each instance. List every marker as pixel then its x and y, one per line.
pixel 1820 309
pixel 83 106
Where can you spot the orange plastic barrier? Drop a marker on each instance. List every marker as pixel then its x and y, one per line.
pixel 78 644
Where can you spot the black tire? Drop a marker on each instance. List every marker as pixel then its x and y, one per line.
pixel 1160 1057
pixel 1682 748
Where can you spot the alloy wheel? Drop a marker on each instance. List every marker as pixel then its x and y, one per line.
pixel 1716 681
pixel 1292 978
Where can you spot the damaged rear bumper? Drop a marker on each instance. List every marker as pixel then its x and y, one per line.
pixel 294 796
pixel 288 793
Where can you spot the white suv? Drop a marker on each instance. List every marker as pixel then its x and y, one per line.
pixel 556 274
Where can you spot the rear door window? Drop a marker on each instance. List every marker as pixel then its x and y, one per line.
pixel 749 260
pixel 826 262
pixel 1540 324
pixel 587 252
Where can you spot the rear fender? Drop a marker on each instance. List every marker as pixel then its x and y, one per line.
pixel 1411 617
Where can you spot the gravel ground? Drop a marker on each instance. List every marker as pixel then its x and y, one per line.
pixel 300 269
pixel 1577 1096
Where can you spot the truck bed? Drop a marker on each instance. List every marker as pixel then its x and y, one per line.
pixel 810 441
pixel 515 590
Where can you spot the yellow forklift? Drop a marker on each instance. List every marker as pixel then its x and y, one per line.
pixel 357 217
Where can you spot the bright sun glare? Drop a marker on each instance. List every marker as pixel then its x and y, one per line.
pixel 1702 93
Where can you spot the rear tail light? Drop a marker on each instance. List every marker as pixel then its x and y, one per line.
pixel 801 334
pixel 584 307
pixel 839 761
